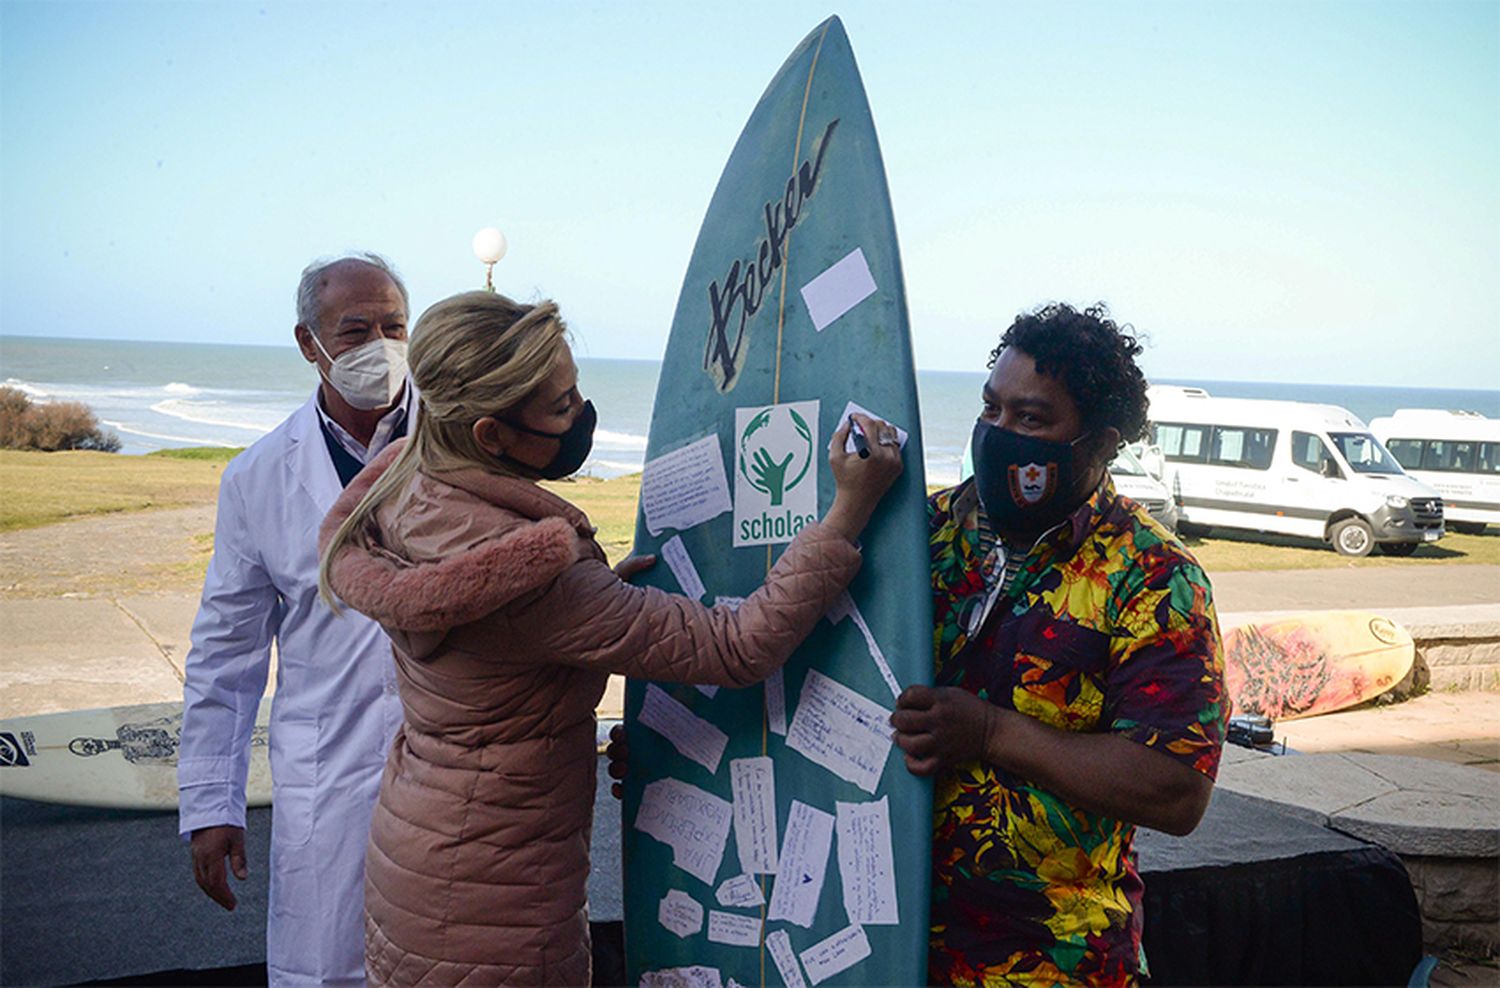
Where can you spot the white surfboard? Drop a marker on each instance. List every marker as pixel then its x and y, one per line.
pixel 117 757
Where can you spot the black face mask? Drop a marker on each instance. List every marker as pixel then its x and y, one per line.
pixel 574 444
pixel 1025 484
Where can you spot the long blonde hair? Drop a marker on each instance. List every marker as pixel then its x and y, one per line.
pixel 471 355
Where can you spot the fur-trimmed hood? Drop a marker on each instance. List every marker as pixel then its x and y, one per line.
pixel 516 538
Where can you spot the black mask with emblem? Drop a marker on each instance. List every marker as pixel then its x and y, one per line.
pixel 1025 483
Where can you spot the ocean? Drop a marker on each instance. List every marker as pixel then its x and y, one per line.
pixel 163 395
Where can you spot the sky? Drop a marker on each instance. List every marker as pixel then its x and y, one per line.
pixel 1304 192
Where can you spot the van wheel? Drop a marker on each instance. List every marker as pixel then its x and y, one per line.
pixel 1397 548
pixel 1467 527
pixel 1352 537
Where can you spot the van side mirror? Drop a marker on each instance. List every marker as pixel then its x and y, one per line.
pixel 1328 468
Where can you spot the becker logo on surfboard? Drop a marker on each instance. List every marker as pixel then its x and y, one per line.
pixel 776 472
pixel 733 300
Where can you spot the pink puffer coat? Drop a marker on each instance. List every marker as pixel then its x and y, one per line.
pixel 506 621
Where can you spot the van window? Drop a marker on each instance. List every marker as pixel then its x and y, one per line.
pixel 1234 446
pixel 1183 442
pixel 1364 453
pixel 1309 453
pixel 1408 452
pixel 1464 456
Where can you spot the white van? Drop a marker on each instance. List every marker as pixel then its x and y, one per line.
pixel 1292 468
pixel 1456 453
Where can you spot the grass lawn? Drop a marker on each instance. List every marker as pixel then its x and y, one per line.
pixel 42 488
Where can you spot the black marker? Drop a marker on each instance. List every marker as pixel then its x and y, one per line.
pixel 861 446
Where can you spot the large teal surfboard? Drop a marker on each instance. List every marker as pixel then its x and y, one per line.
pixel 792 307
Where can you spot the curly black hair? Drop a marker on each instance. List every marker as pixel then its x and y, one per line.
pixel 1092 356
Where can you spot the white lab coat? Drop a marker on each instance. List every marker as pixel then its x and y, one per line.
pixel 332 719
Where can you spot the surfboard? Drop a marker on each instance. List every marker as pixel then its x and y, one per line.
pixel 1315 663
pixel 772 834
pixel 117 757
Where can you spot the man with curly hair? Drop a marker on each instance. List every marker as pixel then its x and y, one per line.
pixel 1079 675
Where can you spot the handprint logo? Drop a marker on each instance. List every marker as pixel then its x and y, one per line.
pixel 765 458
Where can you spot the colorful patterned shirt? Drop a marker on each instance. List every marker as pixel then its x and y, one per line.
pixel 1108 625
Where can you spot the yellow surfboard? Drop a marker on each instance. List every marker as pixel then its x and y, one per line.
pixel 118 757
pixel 1314 663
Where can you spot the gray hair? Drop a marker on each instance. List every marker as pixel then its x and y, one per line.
pixel 315 279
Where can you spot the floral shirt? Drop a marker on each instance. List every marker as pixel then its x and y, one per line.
pixel 1107 625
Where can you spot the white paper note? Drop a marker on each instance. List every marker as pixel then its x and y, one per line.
pixel 752 781
pixel 839 952
pixel 680 913
pixel 733 603
pixel 681 564
pixel 685 487
pixel 803 861
pixel 844 608
pixel 693 823
pixel 733 929
pixel 691 735
pixel 741 892
pixel 851 408
pixel 708 691
pixel 776 702
pixel 839 289
pixel 696 976
pixel 866 864
pixel 779 946
pixel 841 730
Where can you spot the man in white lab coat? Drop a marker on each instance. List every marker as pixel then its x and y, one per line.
pixel 335 708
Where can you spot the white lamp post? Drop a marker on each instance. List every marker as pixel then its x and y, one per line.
pixel 489 247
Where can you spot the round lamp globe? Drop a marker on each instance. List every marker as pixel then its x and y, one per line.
pixel 489 245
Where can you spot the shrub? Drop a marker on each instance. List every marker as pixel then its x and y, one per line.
pixel 59 425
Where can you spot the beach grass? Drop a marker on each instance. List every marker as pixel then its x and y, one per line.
pixel 43 488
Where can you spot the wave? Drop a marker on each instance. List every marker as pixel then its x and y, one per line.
pixel 178 388
pixel 188 440
pixel 187 411
pixel 620 440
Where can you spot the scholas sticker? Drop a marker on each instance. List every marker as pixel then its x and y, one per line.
pixel 11 755
pixel 1032 483
pixel 776 472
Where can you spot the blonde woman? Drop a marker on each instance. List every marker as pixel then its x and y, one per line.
pixel 506 621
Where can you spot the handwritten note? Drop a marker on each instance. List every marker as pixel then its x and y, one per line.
pixel 839 952
pixel 725 600
pixel 843 608
pixel 776 702
pixel 803 861
pixel 685 487
pixel 691 735
pixel 753 784
pixel 693 823
pixel 901 434
pixel 696 976
pixel 779 946
pixel 841 730
pixel 681 565
pixel 834 292
pixel 866 864
pixel 680 913
pixel 741 891
pixel 733 929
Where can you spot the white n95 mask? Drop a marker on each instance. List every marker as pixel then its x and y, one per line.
pixel 370 375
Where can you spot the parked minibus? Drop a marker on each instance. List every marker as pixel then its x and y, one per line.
pixel 1455 453
pixel 1291 468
